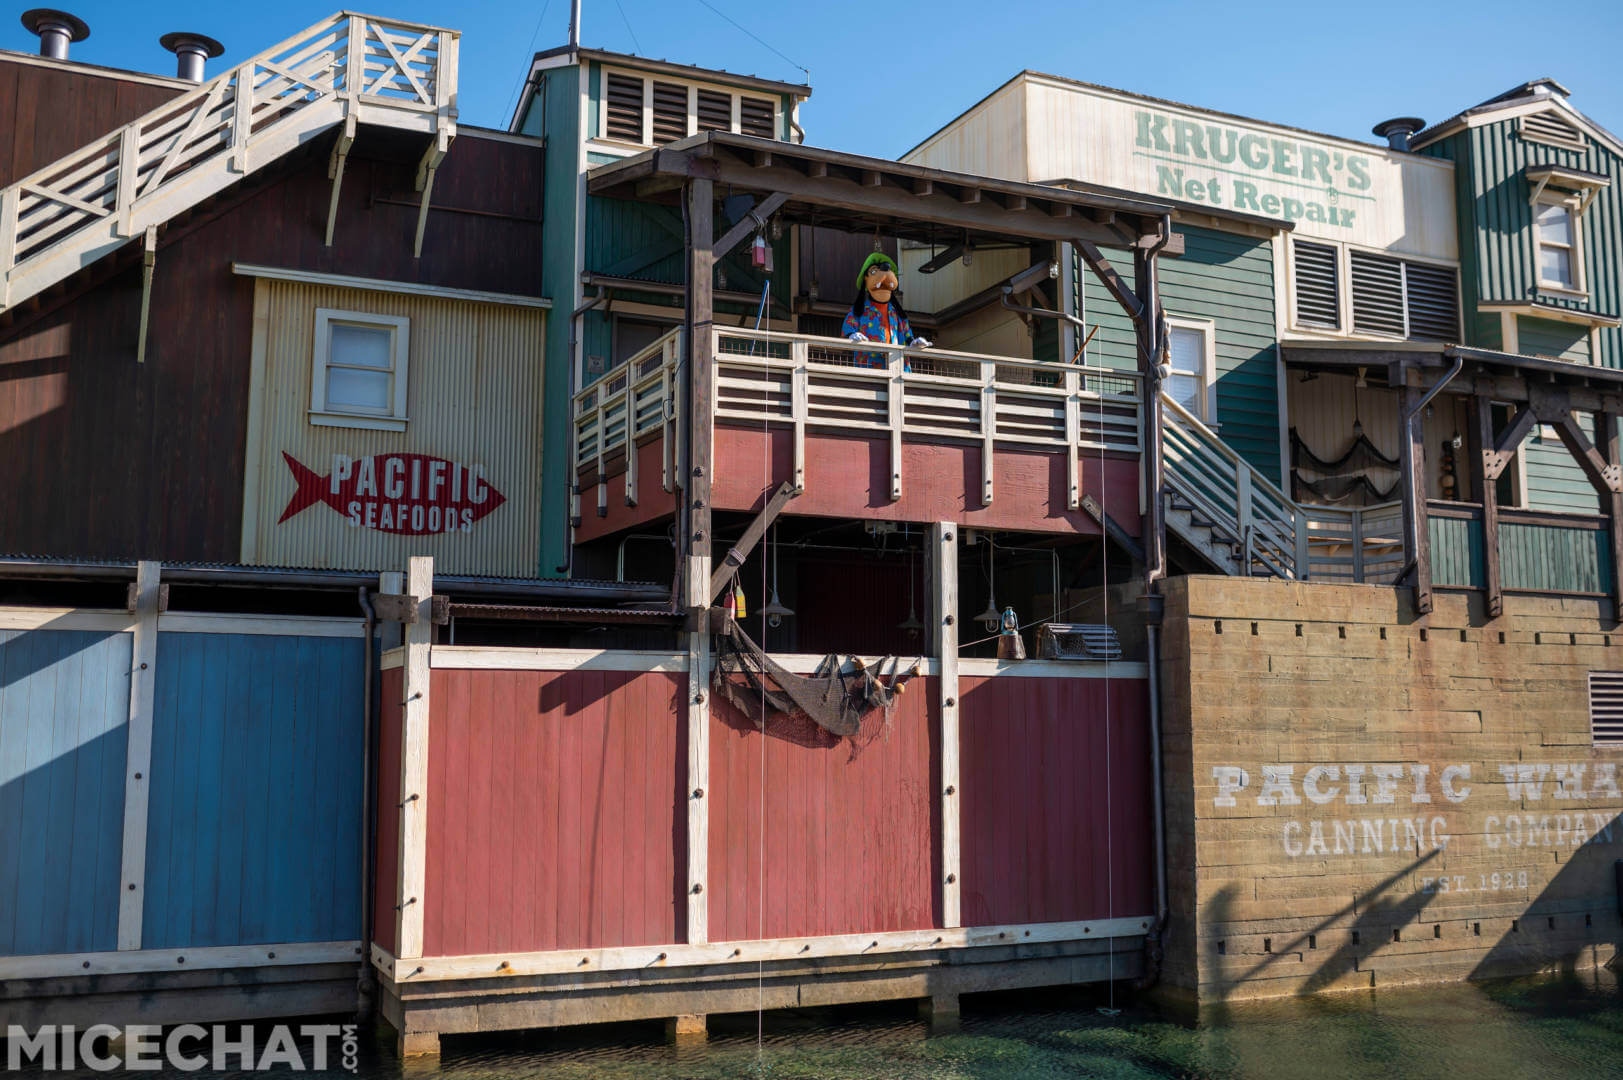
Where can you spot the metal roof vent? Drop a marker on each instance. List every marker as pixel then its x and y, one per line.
pixel 190 51
pixel 1397 130
pixel 55 29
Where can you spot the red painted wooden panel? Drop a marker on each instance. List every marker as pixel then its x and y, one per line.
pixel 385 886
pixel 815 835
pixel 653 501
pixel 557 816
pixel 1056 817
pixel 849 477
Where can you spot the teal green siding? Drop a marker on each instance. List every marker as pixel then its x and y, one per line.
pixel 1547 559
pixel 1554 481
pixel 1456 551
pixel 1228 279
pixel 1547 337
pixel 555 114
pixel 1496 237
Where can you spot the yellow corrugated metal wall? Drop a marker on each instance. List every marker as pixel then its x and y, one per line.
pixel 474 390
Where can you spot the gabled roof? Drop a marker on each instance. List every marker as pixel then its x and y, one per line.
pixel 1528 97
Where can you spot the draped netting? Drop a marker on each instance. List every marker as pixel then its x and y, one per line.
pixel 1345 479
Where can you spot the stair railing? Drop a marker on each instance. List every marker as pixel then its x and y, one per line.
pixel 359 67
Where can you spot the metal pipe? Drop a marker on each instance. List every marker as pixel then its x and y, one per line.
pixel 567 567
pixel 574 25
pixel 1459 363
pixel 56 30
pixel 191 50
pixel 1152 638
pixel 364 976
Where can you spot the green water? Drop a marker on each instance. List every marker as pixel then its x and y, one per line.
pixel 1544 1029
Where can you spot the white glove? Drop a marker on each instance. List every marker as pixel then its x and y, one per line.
pixel 859 336
pixel 920 343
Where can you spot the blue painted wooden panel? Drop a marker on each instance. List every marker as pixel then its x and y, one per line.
pixel 64 717
pixel 1456 551
pixel 1549 558
pixel 253 833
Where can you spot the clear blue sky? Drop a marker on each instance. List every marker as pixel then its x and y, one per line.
pixel 887 75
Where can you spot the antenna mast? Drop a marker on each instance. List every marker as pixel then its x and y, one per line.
pixel 574 25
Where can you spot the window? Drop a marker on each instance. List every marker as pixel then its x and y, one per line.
pixel 1318 291
pixel 1606 707
pixel 1388 296
pixel 653 111
pixel 359 372
pixel 1192 383
pixel 1556 240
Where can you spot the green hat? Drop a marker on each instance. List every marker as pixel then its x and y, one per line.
pixel 876 257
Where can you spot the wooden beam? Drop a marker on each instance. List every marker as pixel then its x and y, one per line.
pixel 149 260
pixel 817 170
pixel 1111 280
pixel 938 261
pixel 1614 504
pixel 1605 478
pixel 1113 528
pixel 753 221
pixel 944 609
pixel 1486 492
pixel 1504 448
pixel 1060 210
pixel 763 159
pixel 969 196
pixel 335 171
pixel 413 764
pixel 1150 325
pixel 138 758
pixel 923 187
pixel 740 551
pixel 871 178
pixel 1014 202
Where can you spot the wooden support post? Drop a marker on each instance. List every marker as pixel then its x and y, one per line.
pixel 242 121
pixel 138 757
pixel 1416 530
pixel 413 808
pixel 1073 436
pixel 988 427
pixel 1487 493
pixel 944 575
pixel 129 165
pixel 149 259
pixel 800 408
pixel 8 241
pixel 698 470
pixel 894 399
pixel 335 169
pixel 1613 443
pixel 426 168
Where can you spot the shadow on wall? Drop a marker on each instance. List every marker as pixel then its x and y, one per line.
pixel 1392 903
pixel 1574 921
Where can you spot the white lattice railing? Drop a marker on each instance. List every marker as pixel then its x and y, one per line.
pixel 830 384
pixel 1273 532
pixel 349 68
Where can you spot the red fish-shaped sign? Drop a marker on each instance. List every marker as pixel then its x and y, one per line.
pixel 406 494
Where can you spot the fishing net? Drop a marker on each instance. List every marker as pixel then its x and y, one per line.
pixel 1344 480
pixel 834 697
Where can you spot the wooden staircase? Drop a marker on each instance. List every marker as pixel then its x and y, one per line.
pixel 1235 517
pixel 347 70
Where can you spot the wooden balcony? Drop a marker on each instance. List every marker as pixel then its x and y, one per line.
pixel 867 431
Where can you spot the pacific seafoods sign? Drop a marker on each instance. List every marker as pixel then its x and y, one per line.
pixel 1336 189
pixel 403 493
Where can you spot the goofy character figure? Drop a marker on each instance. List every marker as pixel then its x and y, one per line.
pixel 876 314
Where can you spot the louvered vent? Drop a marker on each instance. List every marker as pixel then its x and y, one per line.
pixel 1551 127
pixel 670 112
pixel 1317 303
pixel 1377 294
pixel 715 111
pixel 755 117
pixel 624 108
pixel 1606 707
pixel 1433 303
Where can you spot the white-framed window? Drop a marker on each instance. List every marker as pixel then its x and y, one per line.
pixel 1558 243
pixel 1347 291
pixel 651 110
pixel 358 373
pixel 1193 382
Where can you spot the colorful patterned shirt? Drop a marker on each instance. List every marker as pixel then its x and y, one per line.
pixel 880 323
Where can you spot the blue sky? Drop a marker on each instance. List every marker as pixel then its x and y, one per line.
pixel 887 75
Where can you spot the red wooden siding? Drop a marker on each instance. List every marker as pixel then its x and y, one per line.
pixel 840 833
pixel 385 886
pixel 1056 799
pixel 653 501
pixel 48 112
pixel 557 816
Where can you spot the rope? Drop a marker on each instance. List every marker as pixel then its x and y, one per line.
pixel 757 38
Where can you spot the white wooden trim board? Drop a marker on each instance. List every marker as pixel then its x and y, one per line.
pixel 146 960
pixel 138 758
pixel 413 842
pixel 410 288
pixel 29 618
pixel 208 622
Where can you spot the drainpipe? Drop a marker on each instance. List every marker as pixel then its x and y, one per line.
pixel 567 567
pixel 364 976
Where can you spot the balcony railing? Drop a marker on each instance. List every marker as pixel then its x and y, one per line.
pixel 832 385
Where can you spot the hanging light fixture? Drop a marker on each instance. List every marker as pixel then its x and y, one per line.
pixel 775 610
pixel 911 624
pixel 991 618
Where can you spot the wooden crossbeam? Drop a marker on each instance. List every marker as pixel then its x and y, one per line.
pixel 1112 280
pixel 752 535
pixel 1606 478
pixel 1504 448
pixel 753 220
